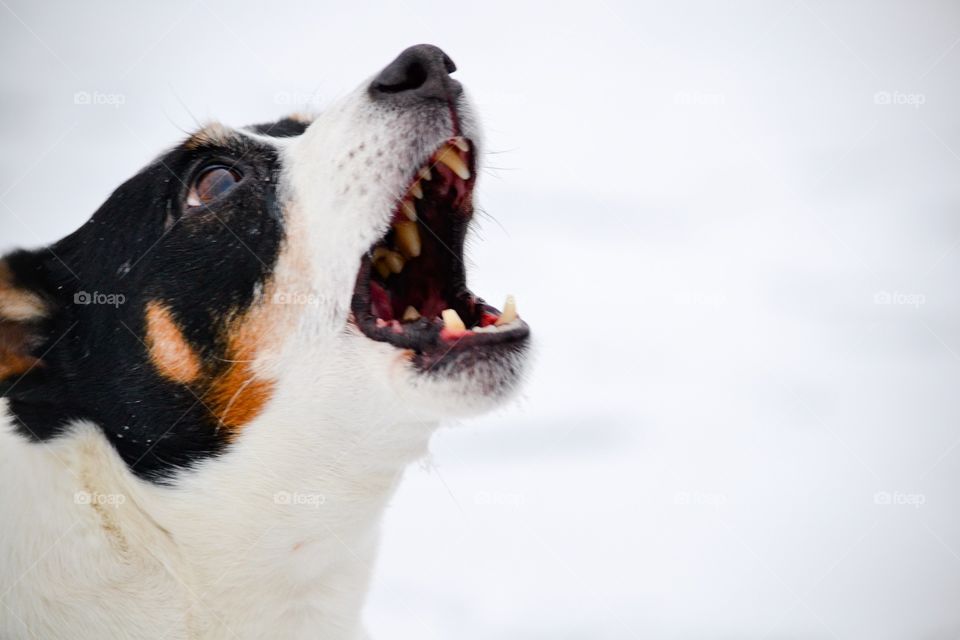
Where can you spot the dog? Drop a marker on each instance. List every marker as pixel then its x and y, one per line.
pixel 212 388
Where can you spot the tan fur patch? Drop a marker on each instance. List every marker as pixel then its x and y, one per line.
pixel 169 350
pixel 241 393
pixel 17 308
pixel 14 345
pixel 212 134
pixel 16 304
pixel 302 117
pixel 109 519
pixel 238 395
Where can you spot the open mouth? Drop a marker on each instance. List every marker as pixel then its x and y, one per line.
pixel 411 290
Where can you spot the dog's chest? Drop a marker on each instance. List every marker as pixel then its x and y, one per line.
pixel 269 542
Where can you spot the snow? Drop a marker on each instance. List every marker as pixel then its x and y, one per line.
pixel 739 261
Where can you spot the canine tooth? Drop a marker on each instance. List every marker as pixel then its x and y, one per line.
pixel 417 191
pixel 411 314
pixel 425 173
pixel 382 268
pixel 409 209
pixel 461 143
pixel 509 312
pixel 452 321
pixel 408 238
pixel 394 261
pixel 453 160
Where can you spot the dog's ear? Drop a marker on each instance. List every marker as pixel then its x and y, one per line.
pixel 23 311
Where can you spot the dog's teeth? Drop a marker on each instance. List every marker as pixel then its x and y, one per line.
pixel 394 261
pixel 379 261
pixel 382 268
pixel 387 261
pixel 417 191
pixel 408 238
pixel 509 312
pixel 452 321
pixel 409 210
pixel 453 160
pixel 461 143
pixel 410 314
pixel 425 173
pixel 384 263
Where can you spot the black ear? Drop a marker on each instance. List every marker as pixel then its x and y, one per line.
pixel 25 309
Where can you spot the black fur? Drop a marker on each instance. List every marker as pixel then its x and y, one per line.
pixel 144 245
pixel 286 128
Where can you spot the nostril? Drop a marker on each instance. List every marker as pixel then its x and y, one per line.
pixel 411 77
pixel 449 64
pixel 421 72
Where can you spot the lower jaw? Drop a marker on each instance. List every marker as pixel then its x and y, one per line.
pixel 492 367
pixel 430 345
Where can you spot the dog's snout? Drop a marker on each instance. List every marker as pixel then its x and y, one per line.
pixel 420 72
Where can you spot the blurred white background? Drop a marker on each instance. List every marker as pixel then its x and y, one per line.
pixel 735 228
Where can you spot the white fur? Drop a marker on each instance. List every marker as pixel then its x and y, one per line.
pixel 276 538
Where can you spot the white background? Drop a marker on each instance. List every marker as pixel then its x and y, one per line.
pixel 702 208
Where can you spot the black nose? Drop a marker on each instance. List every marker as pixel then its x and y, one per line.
pixel 420 72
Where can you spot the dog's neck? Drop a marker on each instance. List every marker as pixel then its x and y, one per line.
pixel 296 504
pixel 283 518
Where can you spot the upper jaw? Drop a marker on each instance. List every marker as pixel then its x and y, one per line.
pixel 359 176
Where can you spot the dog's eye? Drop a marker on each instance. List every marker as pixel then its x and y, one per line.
pixel 211 184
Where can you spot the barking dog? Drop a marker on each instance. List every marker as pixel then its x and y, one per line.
pixel 211 389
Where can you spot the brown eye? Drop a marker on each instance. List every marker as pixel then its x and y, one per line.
pixel 213 183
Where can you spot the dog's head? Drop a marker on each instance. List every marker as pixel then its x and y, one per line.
pixel 315 264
